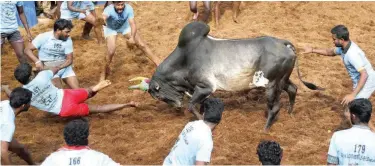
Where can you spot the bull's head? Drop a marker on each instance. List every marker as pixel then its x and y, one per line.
pixel 165 91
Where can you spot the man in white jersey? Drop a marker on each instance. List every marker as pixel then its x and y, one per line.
pixel 76 151
pixel 19 101
pixel 55 49
pixel 354 146
pixel 359 68
pixel 119 18
pixel 194 145
pixel 62 102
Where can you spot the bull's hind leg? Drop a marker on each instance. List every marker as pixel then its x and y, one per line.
pixel 291 89
pixel 273 103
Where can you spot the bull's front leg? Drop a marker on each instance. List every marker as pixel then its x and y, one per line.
pixel 201 92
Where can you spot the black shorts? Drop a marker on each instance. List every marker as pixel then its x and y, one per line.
pixel 12 37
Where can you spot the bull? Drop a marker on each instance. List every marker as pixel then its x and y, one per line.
pixel 202 64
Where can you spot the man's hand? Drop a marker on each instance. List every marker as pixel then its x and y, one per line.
pixel 143 85
pixel 39 66
pixel 29 37
pixel 83 11
pixel 307 49
pixel 348 98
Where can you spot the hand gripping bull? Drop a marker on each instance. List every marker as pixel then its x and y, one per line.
pixel 201 64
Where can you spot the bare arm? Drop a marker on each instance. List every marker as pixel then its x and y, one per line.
pixel 29 52
pixel 68 61
pixel 361 82
pixel 105 17
pixel 133 27
pixel 326 52
pixel 24 21
pixel 71 8
pixel 5 158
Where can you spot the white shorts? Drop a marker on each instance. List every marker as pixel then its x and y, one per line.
pixel 65 72
pixel 70 16
pixel 125 29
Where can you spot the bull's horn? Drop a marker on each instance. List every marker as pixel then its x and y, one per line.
pixel 134 87
pixel 138 79
pixel 188 94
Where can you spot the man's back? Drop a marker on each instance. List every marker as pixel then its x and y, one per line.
pixel 82 156
pixel 354 60
pixel 193 144
pixel 354 146
pixel 7 121
pixel 46 96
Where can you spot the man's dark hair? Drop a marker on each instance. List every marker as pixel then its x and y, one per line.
pixel 213 109
pixel 76 132
pixel 61 24
pixel 362 109
pixel 19 97
pixel 341 32
pixel 23 73
pixel 269 153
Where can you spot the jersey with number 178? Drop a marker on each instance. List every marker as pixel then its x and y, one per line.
pixel 354 146
pixel 78 156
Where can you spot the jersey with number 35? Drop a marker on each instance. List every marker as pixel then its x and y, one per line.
pixel 81 157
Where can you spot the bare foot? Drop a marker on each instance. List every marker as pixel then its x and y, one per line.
pixel 195 16
pixel 101 85
pixel 133 104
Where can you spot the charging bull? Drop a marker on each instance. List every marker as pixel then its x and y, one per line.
pixel 201 64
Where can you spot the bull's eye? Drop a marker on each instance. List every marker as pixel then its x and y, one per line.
pixel 157 87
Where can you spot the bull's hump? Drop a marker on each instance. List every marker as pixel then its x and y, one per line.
pixel 191 31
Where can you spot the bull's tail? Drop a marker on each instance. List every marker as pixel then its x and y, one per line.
pixel 307 84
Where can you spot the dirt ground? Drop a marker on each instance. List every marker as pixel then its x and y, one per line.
pixel 146 134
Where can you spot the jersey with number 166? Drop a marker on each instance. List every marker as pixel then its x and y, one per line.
pixel 78 156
